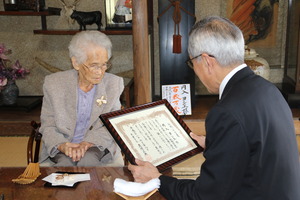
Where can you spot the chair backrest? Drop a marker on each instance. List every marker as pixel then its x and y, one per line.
pixel 35 137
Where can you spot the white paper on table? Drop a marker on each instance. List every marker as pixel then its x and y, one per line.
pixel 69 180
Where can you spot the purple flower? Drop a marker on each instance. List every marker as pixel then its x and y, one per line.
pixel 9 71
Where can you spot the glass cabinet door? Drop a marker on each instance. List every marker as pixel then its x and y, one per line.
pixel 292 58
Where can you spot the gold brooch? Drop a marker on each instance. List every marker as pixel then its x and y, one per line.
pixel 101 101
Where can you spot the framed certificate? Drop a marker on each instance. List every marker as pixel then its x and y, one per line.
pixel 151 132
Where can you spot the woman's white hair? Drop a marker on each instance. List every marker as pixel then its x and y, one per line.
pixel 218 37
pixel 83 40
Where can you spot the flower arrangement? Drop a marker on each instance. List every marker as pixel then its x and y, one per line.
pixel 9 71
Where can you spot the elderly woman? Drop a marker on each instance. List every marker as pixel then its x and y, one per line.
pixel 73 135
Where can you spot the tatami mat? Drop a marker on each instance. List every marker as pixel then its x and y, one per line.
pixel 13 154
pixel 189 168
pixel 13 151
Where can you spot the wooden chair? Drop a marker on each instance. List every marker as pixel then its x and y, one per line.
pixel 127 96
pixel 34 143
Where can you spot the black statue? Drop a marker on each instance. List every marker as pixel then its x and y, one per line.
pixel 87 18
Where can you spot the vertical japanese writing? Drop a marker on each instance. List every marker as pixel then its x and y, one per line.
pixel 154 136
pixel 179 97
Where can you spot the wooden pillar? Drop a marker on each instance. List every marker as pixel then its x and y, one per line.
pixel 141 53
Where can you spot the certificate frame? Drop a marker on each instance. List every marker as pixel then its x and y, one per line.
pixel 152 132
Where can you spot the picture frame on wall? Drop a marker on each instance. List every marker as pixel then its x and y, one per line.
pixel 118 14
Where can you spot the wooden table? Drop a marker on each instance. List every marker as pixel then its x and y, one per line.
pixel 99 187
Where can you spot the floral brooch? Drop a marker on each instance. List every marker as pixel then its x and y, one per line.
pixel 101 101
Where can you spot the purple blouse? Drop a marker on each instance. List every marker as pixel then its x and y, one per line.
pixel 84 110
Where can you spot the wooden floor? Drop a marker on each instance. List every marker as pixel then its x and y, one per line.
pixel 17 121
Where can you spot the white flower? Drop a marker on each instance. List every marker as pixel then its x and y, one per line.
pixel 101 101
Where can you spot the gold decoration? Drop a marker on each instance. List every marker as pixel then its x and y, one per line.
pixel 143 197
pixel 30 174
pixel 106 178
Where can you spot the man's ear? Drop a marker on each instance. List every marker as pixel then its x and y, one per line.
pixel 74 63
pixel 209 62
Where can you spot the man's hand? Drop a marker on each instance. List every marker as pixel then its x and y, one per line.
pixel 199 138
pixel 143 171
pixel 73 150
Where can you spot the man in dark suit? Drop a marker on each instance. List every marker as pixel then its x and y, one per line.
pixel 250 145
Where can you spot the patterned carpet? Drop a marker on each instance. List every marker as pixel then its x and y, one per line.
pixel 15 128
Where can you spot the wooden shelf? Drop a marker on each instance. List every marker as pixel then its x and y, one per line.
pixel 46 31
pixel 26 13
pixel 72 32
pixel 42 14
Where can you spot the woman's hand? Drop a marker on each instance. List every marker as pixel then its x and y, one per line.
pixel 73 150
pixel 85 145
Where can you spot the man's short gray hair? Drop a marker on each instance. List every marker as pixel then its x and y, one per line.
pixel 83 40
pixel 219 37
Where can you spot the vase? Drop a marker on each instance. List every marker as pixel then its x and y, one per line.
pixel 9 94
pixel 258 64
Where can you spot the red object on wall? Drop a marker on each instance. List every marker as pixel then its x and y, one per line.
pixel 128 3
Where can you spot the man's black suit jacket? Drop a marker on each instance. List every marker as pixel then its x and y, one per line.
pixel 251 150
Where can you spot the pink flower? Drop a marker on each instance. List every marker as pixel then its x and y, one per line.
pixel 9 71
pixel 3 81
pixel 4 52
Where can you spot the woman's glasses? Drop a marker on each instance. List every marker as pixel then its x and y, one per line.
pixel 94 68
